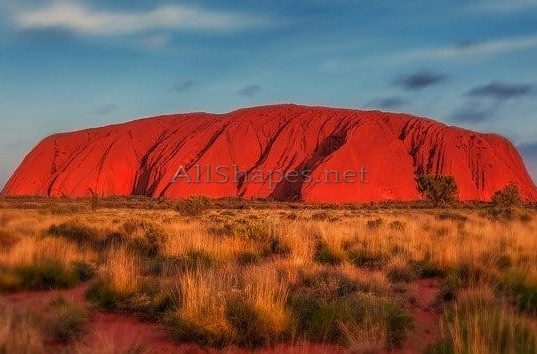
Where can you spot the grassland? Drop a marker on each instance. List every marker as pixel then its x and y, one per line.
pixel 254 275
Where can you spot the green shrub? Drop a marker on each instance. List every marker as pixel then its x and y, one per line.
pixel 331 284
pixel 64 321
pixel 251 328
pixel 324 320
pixel 398 274
pixel 426 268
pixel 438 189
pixel 367 258
pixel 523 293
pixel 248 257
pixel 509 196
pixel 324 255
pixel 193 206
pixel 104 296
pixel 44 275
pixel 84 270
pixel 451 216
pixel 375 223
pixel 149 243
pixel 184 330
pixel 275 245
pixel 320 216
pixel 501 214
pixel 397 225
pixel 75 231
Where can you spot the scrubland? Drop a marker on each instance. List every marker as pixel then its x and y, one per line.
pixel 248 276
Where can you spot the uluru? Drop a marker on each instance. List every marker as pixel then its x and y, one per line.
pixel 385 151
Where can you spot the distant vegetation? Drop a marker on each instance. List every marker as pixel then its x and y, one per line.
pixel 438 189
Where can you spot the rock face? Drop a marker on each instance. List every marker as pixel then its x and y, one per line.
pixel 313 154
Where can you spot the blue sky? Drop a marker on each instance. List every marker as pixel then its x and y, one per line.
pixel 68 65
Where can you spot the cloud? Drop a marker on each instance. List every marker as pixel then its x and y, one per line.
pixel 470 48
pixel 387 102
pixel 184 86
pixel 476 111
pixel 420 80
pixel 81 19
pixel 466 49
pixel 105 109
pixel 529 152
pixel 250 90
pixel 529 148
pixel 501 91
pixel 484 101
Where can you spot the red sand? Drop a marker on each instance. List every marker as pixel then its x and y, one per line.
pixel 141 157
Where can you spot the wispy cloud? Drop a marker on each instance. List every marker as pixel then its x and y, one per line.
pixel 500 90
pixel 484 101
pixel 475 111
pixel 469 49
pixel 463 50
pixel 391 102
pixel 82 19
pixel 183 86
pixel 529 152
pixel 419 80
pixel 249 90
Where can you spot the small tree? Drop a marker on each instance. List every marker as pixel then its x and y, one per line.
pixel 507 197
pixel 438 189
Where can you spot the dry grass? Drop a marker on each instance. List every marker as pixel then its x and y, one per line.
pixel 19 333
pixel 249 277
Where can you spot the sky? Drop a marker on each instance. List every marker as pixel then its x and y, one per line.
pixel 67 65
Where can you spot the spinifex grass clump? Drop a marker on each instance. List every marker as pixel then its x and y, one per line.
pixel 42 264
pixel 330 307
pixel 63 321
pixel 478 323
pixel 220 307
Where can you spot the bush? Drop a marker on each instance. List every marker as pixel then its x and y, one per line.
pixel 375 223
pixel 324 320
pixel 193 206
pixel 104 296
pixel 367 258
pixel 397 274
pixel 149 243
pixel 519 289
pixel 507 197
pixel 42 275
pixel 76 232
pixel 325 255
pixel 426 269
pixel 247 258
pixel 438 189
pixel 84 270
pixel 397 226
pixel 64 321
pixel 184 330
pixel 251 327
